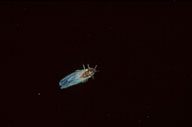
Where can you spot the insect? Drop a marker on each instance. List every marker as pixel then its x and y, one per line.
pixel 79 76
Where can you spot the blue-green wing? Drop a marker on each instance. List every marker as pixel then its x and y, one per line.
pixel 70 80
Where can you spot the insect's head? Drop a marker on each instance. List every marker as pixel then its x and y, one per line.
pixel 91 71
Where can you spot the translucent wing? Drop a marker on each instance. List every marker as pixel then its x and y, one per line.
pixel 71 79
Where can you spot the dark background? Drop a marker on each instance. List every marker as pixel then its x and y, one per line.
pixel 142 51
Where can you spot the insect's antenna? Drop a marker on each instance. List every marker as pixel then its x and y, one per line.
pixel 83 66
pixel 88 65
pixel 95 66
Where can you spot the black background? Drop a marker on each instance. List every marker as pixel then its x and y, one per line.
pixel 142 51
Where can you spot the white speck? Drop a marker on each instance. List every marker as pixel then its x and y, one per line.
pixel 38 94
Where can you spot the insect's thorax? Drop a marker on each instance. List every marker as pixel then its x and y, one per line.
pixel 88 73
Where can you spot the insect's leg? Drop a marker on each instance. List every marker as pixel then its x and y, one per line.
pixel 95 66
pixel 93 77
pixel 83 66
pixel 88 65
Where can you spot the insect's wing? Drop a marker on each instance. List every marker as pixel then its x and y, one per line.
pixel 67 81
pixel 72 79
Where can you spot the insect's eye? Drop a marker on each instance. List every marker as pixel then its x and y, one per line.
pixel 91 72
